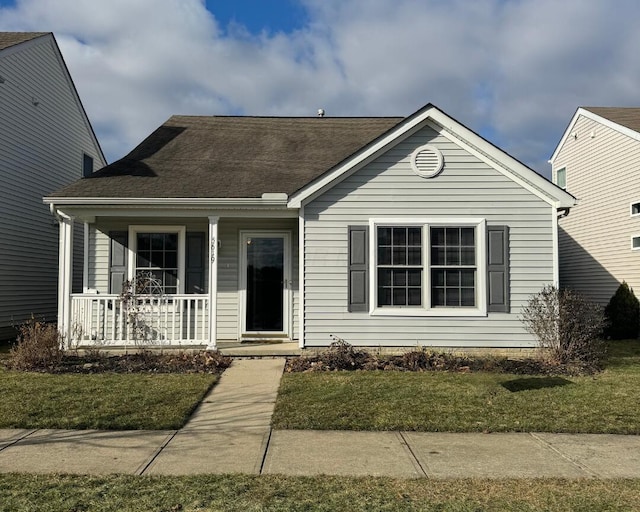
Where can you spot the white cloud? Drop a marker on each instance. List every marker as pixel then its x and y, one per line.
pixel 514 70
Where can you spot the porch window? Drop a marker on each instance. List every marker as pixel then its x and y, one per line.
pixel 157 259
pixel 157 263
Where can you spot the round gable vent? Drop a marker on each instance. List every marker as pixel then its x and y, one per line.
pixel 427 161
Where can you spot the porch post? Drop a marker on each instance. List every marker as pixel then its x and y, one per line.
pixel 65 275
pixel 213 281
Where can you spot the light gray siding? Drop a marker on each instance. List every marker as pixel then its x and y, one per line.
pixel 43 134
pixel 228 321
pixel 603 172
pixel 388 187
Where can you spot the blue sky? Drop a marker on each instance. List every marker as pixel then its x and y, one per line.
pixel 513 70
pixel 256 15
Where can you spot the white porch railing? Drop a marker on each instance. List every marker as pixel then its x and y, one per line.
pixel 98 319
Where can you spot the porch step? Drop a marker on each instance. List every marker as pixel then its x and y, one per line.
pixel 260 349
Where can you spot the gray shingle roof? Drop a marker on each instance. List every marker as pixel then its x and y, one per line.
pixel 624 116
pixel 8 39
pixel 231 157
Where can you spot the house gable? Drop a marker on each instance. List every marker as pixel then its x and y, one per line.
pixel 468 194
pixel 454 131
pixel 600 159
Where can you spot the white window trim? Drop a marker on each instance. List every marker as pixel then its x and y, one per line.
pixel 133 249
pixel 632 247
pixel 631 209
pixel 426 309
pixel 563 168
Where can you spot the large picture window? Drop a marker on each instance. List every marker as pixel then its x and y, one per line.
pixel 429 267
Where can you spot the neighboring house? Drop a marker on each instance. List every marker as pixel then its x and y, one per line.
pixel 46 141
pixel 381 231
pixel 598 161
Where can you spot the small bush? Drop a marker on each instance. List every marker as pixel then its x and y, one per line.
pixel 622 314
pixel 38 347
pixel 568 327
pixel 343 356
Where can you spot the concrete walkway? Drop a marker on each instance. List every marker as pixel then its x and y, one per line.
pixel 230 432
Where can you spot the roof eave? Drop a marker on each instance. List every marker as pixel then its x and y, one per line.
pixel 267 200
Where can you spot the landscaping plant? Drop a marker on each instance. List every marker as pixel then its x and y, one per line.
pixel 622 314
pixel 39 346
pixel 568 327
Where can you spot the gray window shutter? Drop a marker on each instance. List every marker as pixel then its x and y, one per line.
pixel 498 268
pixel 118 260
pixel 195 263
pixel 358 268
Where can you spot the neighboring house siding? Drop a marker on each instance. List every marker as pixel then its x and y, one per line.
pixel 595 239
pixel 388 187
pixel 41 149
pixel 228 260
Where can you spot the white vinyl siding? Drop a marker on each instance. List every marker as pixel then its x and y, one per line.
pixel 595 253
pixel 388 188
pixel 228 260
pixel 41 150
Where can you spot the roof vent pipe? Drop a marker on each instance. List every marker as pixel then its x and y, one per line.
pixel 320 112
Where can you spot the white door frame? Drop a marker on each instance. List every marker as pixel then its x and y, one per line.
pixel 287 283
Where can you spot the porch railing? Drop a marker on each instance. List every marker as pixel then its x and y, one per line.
pixel 98 319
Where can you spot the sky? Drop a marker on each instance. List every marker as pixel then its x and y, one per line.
pixel 514 71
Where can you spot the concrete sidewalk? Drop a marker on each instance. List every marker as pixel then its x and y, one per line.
pixel 230 432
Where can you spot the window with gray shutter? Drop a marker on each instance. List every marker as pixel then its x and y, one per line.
pixel 498 268
pixel 358 285
pixel 118 260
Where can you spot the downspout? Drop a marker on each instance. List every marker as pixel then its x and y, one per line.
pixel 563 212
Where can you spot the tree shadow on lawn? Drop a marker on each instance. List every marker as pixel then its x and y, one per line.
pixel 529 383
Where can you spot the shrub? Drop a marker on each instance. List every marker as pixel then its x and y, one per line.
pixel 343 356
pixel 568 327
pixel 622 314
pixel 38 347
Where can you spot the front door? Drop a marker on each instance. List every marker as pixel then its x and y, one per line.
pixel 265 281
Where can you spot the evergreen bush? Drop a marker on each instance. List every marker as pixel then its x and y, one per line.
pixel 622 314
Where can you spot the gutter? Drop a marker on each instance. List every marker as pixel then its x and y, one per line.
pixel 267 199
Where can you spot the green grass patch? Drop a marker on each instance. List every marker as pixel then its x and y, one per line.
pixel 265 493
pixel 100 401
pixel 466 402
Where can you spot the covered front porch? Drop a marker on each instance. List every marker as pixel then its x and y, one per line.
pixel 158 278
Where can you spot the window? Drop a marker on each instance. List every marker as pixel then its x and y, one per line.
pixel 399 266
pixel 87 165
pixel 157 258
pixel 157 262
pixel 453 270
pixel 635 209
pixel 561 177
pixel 429 267
pixel 635 243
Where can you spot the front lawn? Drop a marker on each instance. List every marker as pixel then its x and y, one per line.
pixel 466 402
pixel 100 401
pixel 247 493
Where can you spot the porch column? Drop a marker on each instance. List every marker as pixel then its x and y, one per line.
pixel 213 281
pixel 65 275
